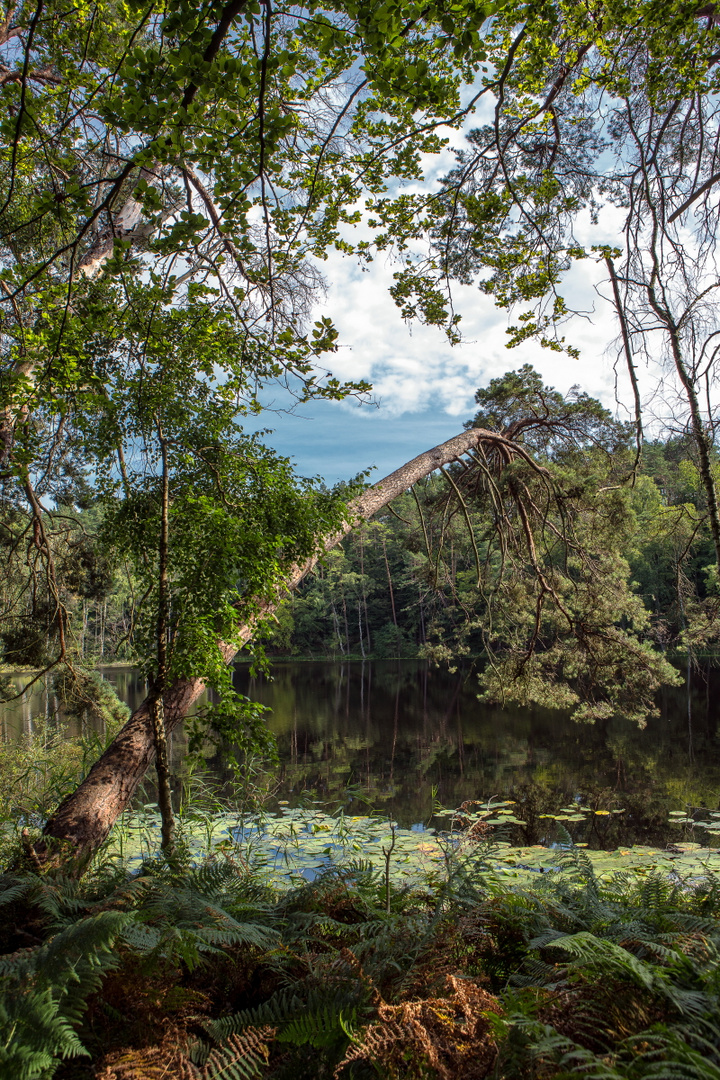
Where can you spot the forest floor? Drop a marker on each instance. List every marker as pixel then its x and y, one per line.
pixel 343 955
pixel 203 971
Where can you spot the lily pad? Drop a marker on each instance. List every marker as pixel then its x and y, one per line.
pixel 300 844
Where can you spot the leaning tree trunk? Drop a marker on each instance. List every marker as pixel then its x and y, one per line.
pixel 84 819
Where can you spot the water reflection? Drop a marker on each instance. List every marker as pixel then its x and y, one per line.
pixel 403 735
pixel 400 736
pixel 39 703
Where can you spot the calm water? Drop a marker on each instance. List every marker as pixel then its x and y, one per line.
pixel 400 736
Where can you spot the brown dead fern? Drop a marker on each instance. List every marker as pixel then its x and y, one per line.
pixel 240 1055
pixel 165 1061
pixel 451 1034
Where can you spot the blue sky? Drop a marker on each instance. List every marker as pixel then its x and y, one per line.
pixel 338 441
pixel 423 388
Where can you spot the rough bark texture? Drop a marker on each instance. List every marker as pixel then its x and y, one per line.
pixel 85 818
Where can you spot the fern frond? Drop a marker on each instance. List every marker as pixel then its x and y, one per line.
pixel 283 1005
pixel 241 1058
pixel 36 1035
pixel 608 957
pixel 13 889
pixel 318 1029
pixel 574 860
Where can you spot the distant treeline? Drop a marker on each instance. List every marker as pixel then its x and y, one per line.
pixel 406 584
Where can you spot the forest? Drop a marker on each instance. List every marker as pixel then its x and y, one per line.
pixel 175 178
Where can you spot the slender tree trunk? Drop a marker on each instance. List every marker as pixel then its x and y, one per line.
pixel 360 631
pixel 389 579
pixel 361 539
pixel 157 711
pixel 84 819
pixel 336 627
pixel 347 628
pixel 103 618
pixel 700 437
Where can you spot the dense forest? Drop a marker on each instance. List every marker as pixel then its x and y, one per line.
pixel 406 583
pixel 383 592
pixel 175 178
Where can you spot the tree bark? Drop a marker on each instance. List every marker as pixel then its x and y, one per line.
pixel 156 704
pixel 390 585
pixel 84 819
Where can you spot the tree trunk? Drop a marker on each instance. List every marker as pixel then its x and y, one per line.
pixel 347 628
pixel 364 592
pixel 389 579
pixel 157 712
pixel 84 819
pixel 336 627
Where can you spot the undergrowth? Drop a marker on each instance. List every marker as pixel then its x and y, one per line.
pixel 203 973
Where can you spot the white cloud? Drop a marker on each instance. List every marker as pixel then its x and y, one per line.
pixel 423 386
pixel 413 368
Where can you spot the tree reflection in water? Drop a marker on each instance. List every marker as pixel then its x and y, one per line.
pixel 399 736
pixel 402 734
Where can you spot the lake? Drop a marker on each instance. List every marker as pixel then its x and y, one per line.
pixel 402 737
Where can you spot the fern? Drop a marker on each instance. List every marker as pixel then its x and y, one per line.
pixel 44 992
pixel 607 958
pixel 241 1058
pixel 282 1005
pixel 183 919
pixel 324 1027
pixel 35 1035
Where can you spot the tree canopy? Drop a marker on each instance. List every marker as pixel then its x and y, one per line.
pixel 601 147
pixel 172 177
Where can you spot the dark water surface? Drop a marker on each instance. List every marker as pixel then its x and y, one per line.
pixel 401 737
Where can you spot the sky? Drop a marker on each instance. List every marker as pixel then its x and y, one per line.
pixel 423 388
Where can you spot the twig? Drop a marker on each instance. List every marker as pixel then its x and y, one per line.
pixel 387 852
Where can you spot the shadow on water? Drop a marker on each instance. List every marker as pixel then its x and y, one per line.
pixel 401 737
